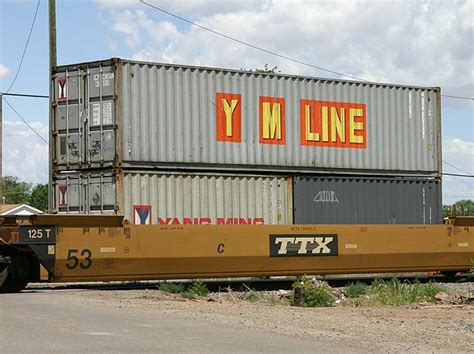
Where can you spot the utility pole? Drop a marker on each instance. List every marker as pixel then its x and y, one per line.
pixel 52 66
pixel 1 148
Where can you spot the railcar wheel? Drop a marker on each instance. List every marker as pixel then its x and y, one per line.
pixel 15 273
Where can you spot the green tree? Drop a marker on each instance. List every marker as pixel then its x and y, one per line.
pixel 468 208
pixel 265 70
pixel 39 197
pixel 268 70
pixel 16 191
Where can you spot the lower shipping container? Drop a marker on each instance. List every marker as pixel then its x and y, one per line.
pixel 177 198
pixel 363 200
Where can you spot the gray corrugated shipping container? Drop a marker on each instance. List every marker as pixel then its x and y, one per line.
pixel 363 200
pixel 127 114
pixel 176 198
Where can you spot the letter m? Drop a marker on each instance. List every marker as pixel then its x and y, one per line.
pixel 272 120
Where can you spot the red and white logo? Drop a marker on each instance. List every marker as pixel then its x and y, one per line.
pixel 62 195
pixel 62 89
pixel 142 214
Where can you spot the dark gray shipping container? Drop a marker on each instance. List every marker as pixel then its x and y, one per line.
pixel 362 200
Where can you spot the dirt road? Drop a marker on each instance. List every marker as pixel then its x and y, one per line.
pixel 149 320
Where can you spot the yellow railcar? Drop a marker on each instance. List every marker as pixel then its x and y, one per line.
pixel 104 248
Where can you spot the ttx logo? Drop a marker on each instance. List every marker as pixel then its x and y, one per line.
pixel 303 245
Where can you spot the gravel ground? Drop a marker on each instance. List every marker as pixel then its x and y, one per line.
pixel 421 328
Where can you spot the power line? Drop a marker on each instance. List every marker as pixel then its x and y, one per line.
pixel 455 167
pixel 460 196
pixel 26 46
pixel 459 97
pixel 267 50
pixel 23 95
pixel 457 175
pixel 249 44
pixel 24 121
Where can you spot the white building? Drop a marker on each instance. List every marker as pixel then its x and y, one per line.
pixel 18 209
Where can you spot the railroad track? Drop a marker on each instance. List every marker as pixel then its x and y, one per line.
pixel 258 284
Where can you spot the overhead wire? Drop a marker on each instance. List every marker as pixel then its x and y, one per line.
pixel 26 47
pixel 24 121
pixel 249 44
pixel 459 97
pixel 460 196
pixel 455 167
pixel 267 50
pixel 456 175
pixel 466 174
pixel 23 95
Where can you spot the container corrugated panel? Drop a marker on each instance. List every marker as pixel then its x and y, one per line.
pixel 192 117
pixel 177 198
pixel 362 200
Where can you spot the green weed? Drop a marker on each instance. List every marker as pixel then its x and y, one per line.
pixel 395 293
pixel 356 289
pixel 198 288
pixel 314 295
pixel 172 288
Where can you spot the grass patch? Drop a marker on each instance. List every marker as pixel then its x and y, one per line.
pixel 356 289
pixel 395 293
pixel 315 295
pixel 251 294
pixel 198 288
pixel 172 288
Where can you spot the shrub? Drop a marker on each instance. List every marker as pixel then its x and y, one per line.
pixel 251 295
pixel 320 296
pixel 356 289
pixel 315 295
pixel 173 288
pixel 395 293
pixel 198 288
pixel 188 295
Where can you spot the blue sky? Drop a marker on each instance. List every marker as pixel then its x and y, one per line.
pixel 409 42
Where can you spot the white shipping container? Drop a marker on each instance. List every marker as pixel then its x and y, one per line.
pixel 177 198
pixel 127 114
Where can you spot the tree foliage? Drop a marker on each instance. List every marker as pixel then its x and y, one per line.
pixel 39 197
pixel 16 191
pixel 19 192
pixel 268 70
pixel 468 208
pixel 265 70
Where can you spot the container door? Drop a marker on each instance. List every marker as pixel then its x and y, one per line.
pixel 100 122
pixel 87 193
pixel 100 193
pixel 68 195
pixel 68 118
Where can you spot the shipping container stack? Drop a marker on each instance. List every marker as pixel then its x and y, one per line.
pixel 170 144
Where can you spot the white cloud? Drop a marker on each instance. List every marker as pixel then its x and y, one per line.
pixel 459 153
pixel 4 71
pixel 125 23
pixel 117 3
pixel 409 42
pixel 461 147
pixel 25 155
pixel 420 43
pixel 194 8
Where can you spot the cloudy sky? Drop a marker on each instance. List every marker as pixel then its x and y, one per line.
pixel 407 42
